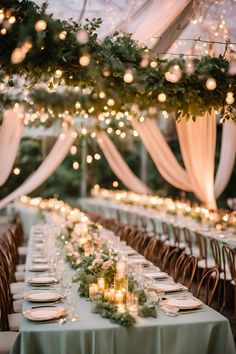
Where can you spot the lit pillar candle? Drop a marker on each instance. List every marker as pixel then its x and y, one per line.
pixel 93 290
pixel 119 297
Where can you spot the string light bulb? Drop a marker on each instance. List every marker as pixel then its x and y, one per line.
pixel 75 165
pixel 16 171
pixel 89 159
pixel 211 84
pixel 115 184
pixel 84 60
pixel 62 35
pixel 128 77
pixel 73 150
pixel 97 156
pixel 161 97
pixel 230 98
pixel 40 25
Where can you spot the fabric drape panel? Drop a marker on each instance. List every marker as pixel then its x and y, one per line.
pixel 197 143
pixel 10 136
pixel 48 166
pixel 227 157
pixel 161 154
pixel 151 22
pixel 119 166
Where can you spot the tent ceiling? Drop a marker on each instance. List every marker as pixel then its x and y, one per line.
pixel 212 20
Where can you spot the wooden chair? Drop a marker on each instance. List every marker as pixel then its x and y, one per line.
pixel 189 271
pixel 151 252
pixel 205 262
pixel 229 273
pixel 208 284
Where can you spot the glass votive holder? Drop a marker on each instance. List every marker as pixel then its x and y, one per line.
pixel 132 304
pixel 160 294
pixel 109 294
pixel 93 290
pixel 119 297
pixel 101 283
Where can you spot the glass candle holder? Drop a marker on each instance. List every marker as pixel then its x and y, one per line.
pixel 132 304
pixel 93 290
pixel 109 294
pixel 121 284
pixel 119 297
pixel 121 268
pixel 101 285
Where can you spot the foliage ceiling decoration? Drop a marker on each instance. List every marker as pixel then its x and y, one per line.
pixel 56 67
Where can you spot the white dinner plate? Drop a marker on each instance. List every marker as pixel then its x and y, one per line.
pixel 39 267
pixel 39 260
pixel 42 296
pixel 44 313
pixel 168 287
pixel 156 275
pixel 183 303
pixel 139 261
pixel 41 280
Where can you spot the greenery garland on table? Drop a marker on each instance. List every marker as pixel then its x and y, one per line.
pixel 92 260
pixel 120 73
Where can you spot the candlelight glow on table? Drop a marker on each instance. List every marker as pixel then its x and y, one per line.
pixel 219 219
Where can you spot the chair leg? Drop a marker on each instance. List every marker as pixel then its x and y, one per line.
pixel 225 293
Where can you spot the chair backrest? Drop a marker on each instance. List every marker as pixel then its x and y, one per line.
pixel 165 229
pixel 5 300
pixel 208 285
pixel 216 252
pixel 151 252
pixel 229 261
pixel 179 267
pixel 189 271
pixel 201 243
pixel 169 260
pixel 188 239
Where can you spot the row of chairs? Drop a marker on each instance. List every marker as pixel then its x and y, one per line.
pixel 12 255
pixel 188 261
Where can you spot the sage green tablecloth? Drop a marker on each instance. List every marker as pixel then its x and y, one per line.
pixel 206 332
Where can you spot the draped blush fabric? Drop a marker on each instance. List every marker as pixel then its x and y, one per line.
pixel 197 143
pixel 227 157
pixel 48 166
pixel 10 136
pixel 152 22
pixel 119 166
pixel 162 155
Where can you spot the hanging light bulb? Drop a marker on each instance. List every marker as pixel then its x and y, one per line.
pixel 230 98
pixel 84 60
pixel 75 165
pixel 73 150
pixel 16 171
pixel 17 56
pixel 211 83
pixel 62 35
pixel 128 77
pixel 161 97
pixel 89 159
pixel 40 25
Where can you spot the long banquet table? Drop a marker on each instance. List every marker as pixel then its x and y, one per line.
pixel 205 332
pixel 137 215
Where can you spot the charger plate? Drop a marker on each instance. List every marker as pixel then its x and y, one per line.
pixel 42 296
pixel 44 313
